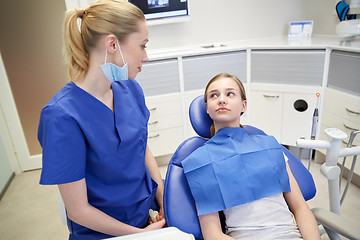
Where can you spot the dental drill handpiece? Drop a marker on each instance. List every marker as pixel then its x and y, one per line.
pixel 315 118
pixel 315 121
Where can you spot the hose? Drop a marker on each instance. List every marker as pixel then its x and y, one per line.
pixel 351 139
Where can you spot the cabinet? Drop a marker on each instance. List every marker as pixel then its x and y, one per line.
pixel 344 71
pixel 341 108
pixel 284 111
pixel 283 91
pixel 303 67
pixel 165 126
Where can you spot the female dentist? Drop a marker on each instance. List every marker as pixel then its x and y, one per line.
pixel 94 130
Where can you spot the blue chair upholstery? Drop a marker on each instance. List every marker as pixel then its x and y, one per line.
pixel 179 205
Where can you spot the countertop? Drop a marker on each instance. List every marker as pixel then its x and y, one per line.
pixel 279 42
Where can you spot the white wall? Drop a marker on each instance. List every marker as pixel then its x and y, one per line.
pixel 324 15
pixel 227 20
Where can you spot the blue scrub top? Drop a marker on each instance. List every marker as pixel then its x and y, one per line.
pixel 83 138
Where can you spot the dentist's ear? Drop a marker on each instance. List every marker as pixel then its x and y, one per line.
pixel 110 43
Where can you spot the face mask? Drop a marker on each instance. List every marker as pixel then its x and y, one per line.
pixel 114 72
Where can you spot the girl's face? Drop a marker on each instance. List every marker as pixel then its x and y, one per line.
pixel 133 49
pixel 224 103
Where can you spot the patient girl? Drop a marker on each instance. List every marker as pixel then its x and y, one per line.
pixel 245 176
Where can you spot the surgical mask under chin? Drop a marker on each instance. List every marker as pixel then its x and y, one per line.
pixel 114 72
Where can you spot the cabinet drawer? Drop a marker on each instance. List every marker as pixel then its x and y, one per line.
pixel 343 105
pixel 165 142
pixel 303 67
pixel 164 122
pixel 200 69
pixel 163 105
pixel 344 71
pixel 159 77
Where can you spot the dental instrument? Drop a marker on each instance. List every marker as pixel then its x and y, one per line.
pixel 330 168
pixel 349 144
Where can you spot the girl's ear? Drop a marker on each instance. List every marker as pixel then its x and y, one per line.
pixel 110 43
pixel 207 111
pixel 244 106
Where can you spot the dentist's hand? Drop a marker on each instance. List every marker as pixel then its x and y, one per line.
pixel 155 225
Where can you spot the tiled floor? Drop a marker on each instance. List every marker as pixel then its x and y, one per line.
pixel 29 211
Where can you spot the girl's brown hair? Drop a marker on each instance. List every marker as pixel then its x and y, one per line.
pixel 221 76
pixel 103 17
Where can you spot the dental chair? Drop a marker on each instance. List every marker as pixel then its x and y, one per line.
pixel 179 205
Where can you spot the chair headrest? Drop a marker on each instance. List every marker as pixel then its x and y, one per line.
pixel 200 120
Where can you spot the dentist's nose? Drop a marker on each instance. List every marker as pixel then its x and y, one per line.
pixel 145 57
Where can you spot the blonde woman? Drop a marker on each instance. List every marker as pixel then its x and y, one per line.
pixel 94 130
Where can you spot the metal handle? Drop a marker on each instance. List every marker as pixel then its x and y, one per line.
pixel 152 109
pixel 353 112
pixel 152 123
pixel 347 144
pixel 271 96
pixel 154 136
pixel 350 128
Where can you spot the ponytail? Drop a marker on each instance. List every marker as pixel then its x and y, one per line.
pixel 74 48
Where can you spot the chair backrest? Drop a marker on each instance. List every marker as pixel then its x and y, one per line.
pixel 179 205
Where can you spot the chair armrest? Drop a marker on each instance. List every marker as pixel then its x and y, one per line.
pixel 336 223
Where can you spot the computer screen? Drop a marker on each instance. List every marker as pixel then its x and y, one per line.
pixel 162 9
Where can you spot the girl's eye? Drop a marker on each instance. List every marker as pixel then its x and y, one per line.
pixel 230 94
pixel 213 95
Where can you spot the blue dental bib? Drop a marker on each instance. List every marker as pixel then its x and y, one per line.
pixel 234 168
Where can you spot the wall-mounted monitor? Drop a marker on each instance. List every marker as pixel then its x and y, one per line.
pixel 164 11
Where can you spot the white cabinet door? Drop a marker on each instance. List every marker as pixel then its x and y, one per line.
pixel 266 112
pixel 298 110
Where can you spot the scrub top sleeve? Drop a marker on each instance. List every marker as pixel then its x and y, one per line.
pixel 64 149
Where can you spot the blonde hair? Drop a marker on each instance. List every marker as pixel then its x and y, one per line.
pixel 221 76
pixel 103 17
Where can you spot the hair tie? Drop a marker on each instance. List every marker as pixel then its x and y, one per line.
pixel 81 13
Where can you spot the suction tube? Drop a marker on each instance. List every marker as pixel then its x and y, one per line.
pixel 351 139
